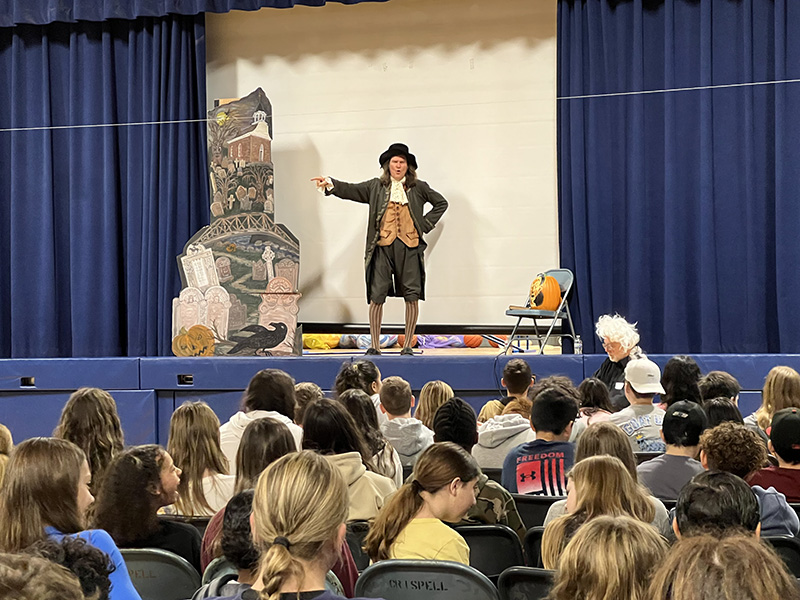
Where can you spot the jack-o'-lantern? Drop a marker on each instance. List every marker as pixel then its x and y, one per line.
pixel 545 293
pixel 198 341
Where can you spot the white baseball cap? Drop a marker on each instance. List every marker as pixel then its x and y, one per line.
pixel 644 376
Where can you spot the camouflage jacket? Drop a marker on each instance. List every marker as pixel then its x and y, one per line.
pixel 494 505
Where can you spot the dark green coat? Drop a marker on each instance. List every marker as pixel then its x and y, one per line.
pixel 374 193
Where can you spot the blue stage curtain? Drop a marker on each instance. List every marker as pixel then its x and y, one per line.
pixel 42 12
pixel 91 219
pixel 680 210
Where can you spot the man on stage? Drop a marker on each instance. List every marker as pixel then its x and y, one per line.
pixel 394 259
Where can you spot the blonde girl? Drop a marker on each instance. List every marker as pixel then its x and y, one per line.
pixel 432 395
pixel 596 486
pixel 194 445
pixel 781 390
pixel 609 558
pixel 442 488
pixel 299 514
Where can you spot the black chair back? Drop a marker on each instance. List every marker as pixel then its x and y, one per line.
pixel 356 532
pixel 492 548
pixel 407 470
pixel 525 583
pixel 160 575
pixel 533 509
pixel 788 548
pixel 421 579
pixel 533 546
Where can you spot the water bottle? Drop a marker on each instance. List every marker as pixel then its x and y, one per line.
pixel 577 345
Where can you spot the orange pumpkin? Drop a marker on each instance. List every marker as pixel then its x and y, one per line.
pixel 198 341
pixel 401 340
pixel 473 341
pixel 545 293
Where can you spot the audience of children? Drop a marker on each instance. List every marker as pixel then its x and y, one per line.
pixel 405 433
pixel 361 375
pixel 89 420
pixel 385 459
pixel 329 430
pixel 270 393
pixel 667 473
pixel 517 380
pixel 412 525
pixel 540 466
pixel 606 439
pixel 432 395
pixel 455 422
pixel 641 420
pixel 46 494
pixel 193 444
pixel 264 441
pixel 609 558
pixel 140 481
pixel 784 444
pixel 598 485
pixel 605 538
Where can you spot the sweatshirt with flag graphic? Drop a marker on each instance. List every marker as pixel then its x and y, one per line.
pixel 538 468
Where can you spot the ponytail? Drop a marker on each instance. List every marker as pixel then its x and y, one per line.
pixel 278 567
pixel 299 506
pixel 394 517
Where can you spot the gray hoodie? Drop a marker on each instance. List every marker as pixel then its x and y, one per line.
pixel 498 436
pixel 408 436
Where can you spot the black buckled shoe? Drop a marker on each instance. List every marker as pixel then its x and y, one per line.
pixel 406 352
pixel 372 352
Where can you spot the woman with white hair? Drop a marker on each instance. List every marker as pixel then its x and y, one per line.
pixel 620 341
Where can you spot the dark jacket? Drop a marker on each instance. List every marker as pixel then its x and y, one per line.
pixel 374 193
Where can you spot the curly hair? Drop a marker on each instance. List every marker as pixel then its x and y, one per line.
pixel 617 329
pixel 733 448
pixel 237 538
pixel 90 565
pixel 129 499
pixel 89 419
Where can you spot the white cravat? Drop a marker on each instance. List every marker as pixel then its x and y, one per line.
pixel 398 192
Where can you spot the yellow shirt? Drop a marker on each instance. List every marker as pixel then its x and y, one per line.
pixel 430 539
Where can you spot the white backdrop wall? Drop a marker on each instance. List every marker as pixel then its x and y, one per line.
pixel 469 85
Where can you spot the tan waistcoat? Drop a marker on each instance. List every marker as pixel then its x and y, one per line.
pixel 397 223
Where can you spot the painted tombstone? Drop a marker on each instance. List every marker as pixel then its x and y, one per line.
pixel 243 265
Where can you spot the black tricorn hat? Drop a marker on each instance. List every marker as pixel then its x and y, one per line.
pixel 398 150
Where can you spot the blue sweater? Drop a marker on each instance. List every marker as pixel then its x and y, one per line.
pixel 121 585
